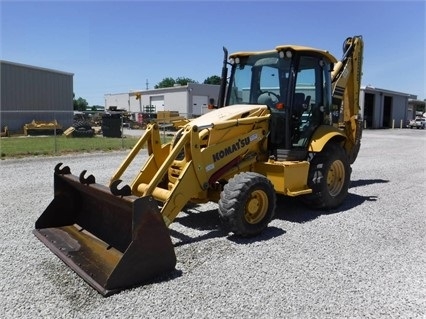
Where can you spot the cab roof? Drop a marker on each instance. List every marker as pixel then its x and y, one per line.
pixel 298 48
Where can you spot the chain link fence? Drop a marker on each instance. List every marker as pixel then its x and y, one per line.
pixel 57 132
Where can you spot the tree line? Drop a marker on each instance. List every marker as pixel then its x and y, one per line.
pixel 170 82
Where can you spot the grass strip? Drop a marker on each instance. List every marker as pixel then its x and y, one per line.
pixel 23 146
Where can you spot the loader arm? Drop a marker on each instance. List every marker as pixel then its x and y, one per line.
pixel 346 79
pixel 152 140
pixel 195 161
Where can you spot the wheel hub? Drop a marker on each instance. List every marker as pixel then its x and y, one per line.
pixel 256 207
pixel 336 178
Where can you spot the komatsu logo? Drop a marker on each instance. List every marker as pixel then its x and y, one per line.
pixel 234 147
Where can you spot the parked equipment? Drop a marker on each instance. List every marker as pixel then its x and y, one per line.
pixel 42 127
pixel 287 122
pixel 112 124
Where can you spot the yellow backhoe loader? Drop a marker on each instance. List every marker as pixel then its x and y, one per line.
pixel 286 122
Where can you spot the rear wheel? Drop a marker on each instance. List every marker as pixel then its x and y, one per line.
pixel 329 176
pixel 82 129
pixel 83 133
pixel 247 204
pixel 83 125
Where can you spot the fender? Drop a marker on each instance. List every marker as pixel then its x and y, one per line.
pixel 322 135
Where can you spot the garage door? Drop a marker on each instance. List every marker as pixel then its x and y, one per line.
pixel 199 104
pixel 157 102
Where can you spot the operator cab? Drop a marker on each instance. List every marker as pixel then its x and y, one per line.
pixel 294 83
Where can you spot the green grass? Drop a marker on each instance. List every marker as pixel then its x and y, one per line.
pixel 23 146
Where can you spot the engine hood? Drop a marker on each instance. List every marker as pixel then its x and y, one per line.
pixel 232 112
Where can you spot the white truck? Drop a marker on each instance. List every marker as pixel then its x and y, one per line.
pixel 418 122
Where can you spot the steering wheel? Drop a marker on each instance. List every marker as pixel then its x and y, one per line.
pixel 268 98
pixel 269 93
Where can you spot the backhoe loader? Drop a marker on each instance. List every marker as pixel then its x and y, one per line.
pixel 287 121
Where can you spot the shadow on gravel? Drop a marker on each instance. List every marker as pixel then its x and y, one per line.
pixel 207 221
pixel 185 239
pixel 196 218
pixel 269 233
pixel 364 182
pixel 288 208
pixel 199 219
pixel 293 210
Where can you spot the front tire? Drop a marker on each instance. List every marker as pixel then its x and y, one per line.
pixel 247 204
pixel 329 176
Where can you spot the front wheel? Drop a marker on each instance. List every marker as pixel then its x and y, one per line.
pixel 247 204
pixel 329 176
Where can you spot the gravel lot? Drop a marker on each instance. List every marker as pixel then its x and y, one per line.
pixel 365 260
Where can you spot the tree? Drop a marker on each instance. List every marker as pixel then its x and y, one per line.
pixel 418 105
pixel 80 104
pixel 165 83
pixel 184 81
pixel 170 82
pixel 96 107
pixel 214 79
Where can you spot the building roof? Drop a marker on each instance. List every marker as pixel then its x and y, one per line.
pixel 34 67
pixel 175 88
pixel 375 89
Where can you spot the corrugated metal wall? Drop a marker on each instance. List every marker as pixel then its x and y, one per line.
pixel 31 93
pixel 384 108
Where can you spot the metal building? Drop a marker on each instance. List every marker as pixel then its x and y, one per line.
pixel 385 109
pixel 33 93
pixel 380 108
pixel 189 100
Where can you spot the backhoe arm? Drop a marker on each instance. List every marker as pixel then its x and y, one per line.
pixel 346 79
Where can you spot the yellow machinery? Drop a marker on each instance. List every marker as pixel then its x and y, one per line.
pixel 42 127
pixel 286 122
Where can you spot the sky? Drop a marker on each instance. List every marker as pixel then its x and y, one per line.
pixel 121 46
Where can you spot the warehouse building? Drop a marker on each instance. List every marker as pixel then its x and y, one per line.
pixel 382 108
pixel 190 100
pixel 32 93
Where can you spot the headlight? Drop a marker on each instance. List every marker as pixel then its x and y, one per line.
pixel 233 61
pixel 288 54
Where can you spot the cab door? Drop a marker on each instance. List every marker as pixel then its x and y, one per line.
pixel 311 98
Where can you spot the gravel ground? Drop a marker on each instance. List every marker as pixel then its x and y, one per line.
pixel 364 260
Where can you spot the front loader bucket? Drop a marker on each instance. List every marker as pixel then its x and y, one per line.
pixel 112 242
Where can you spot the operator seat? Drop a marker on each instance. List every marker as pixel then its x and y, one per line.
pixel 300 123
pixel 300 103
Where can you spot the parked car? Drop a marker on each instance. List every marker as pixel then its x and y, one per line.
pixel 419 122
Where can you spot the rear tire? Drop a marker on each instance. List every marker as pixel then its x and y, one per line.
pixel 83 129
pixel 83 133
pixel 247 204
pixel 329 176
pixel 82 125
